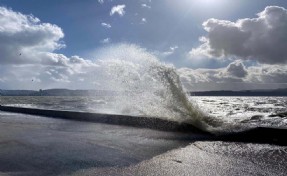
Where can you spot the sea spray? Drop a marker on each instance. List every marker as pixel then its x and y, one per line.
pixel 146 86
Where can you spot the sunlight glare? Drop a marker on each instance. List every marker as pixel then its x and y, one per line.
pixel 199 4
pixel 209 3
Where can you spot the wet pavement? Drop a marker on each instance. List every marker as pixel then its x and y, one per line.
pixel 34 145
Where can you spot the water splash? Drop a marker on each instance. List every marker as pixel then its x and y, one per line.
pixel 146 86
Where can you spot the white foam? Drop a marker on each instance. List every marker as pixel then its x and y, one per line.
pixel 145 85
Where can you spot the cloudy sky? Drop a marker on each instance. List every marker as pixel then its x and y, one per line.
pixel 213 44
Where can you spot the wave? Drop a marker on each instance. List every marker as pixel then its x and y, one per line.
pixel 148 87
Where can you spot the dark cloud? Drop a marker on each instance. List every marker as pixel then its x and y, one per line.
pixel 263 38
pixel 236 69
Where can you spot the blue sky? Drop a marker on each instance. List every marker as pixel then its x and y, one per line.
pixel 169 23
pixel 167 28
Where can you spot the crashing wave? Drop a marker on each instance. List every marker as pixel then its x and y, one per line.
pixel 147 86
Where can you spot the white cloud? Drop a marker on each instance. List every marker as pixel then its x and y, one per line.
pixel 268 74
pixel 35 76
pixel 171 50
pixel 106 40
pixel 99 74
pixel 146 6
pixel 263 38
pixel 143 21
pixel 24 39
pixel 106 25
pixel 101 1
pixel 119 9
pixel 27 53
pixel 235 74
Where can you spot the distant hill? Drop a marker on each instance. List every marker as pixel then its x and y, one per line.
pixel 16 92
pixel 56 92
pixel 275 92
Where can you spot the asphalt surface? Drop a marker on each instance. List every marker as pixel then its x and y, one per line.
pixel 34 145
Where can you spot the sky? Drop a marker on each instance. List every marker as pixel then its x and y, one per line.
pixel 213 44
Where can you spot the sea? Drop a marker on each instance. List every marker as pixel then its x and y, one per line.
pixel 239 113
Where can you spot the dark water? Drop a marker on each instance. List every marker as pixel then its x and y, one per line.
pixel 73 103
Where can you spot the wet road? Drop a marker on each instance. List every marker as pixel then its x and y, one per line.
pixel 33 145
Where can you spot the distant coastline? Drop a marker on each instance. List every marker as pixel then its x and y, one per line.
pixel 68 92
pixel 56 92
pixel 271 92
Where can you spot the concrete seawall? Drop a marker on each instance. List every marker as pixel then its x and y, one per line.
pixel 134 121
pixel 267 135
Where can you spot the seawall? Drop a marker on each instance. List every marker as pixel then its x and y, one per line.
pixel 267 135
pixel 134 121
